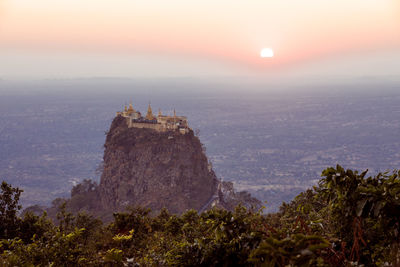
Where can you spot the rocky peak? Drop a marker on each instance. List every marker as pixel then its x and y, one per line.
pixel 144 167
pixel 153 169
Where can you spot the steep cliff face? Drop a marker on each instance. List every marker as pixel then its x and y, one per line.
pixel 143 167
pixel 147 168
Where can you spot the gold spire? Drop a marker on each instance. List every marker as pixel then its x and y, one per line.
pixel 159 112
pixel 149 115
pixel 125 109
pixel 130 109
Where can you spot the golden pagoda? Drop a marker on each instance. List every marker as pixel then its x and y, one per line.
pixel 149 115
pixel 130 109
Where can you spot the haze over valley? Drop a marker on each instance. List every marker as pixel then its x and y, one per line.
pixel 272 140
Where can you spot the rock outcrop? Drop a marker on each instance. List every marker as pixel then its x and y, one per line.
pixel 151 169
pixel 143 167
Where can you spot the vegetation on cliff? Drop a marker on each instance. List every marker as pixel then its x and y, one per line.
pixel 348 219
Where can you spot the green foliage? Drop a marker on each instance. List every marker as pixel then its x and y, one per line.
pixel 85 187
pixel 348 219
pixel 114 256
pixel 32 225
pixel 222 238
pixel 65 218
pixel 294 250
pixel 365 211
pixel 60 249
pixel 9 207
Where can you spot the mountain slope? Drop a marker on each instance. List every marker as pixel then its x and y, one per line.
pixel 143 167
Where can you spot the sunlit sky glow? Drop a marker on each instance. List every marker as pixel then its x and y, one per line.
pixel 75 38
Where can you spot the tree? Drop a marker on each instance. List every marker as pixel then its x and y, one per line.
pixel 365 212
pixel 9 207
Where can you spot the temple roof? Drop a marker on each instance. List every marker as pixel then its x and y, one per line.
pixel 149 115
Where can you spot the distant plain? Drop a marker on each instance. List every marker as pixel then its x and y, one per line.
pixel 272 140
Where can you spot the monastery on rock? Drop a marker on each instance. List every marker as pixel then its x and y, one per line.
pixel 161 123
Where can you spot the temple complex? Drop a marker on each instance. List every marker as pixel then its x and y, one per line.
pixel 160 123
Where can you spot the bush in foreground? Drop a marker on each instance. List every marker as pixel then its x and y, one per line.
pixel 348 219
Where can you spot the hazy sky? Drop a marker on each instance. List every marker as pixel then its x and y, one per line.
pixel 129 38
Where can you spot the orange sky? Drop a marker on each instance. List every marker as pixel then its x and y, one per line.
pixel 228 32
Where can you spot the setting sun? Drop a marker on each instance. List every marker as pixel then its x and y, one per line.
pixel 266 52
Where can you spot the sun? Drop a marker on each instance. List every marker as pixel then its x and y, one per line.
pixel 266 52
